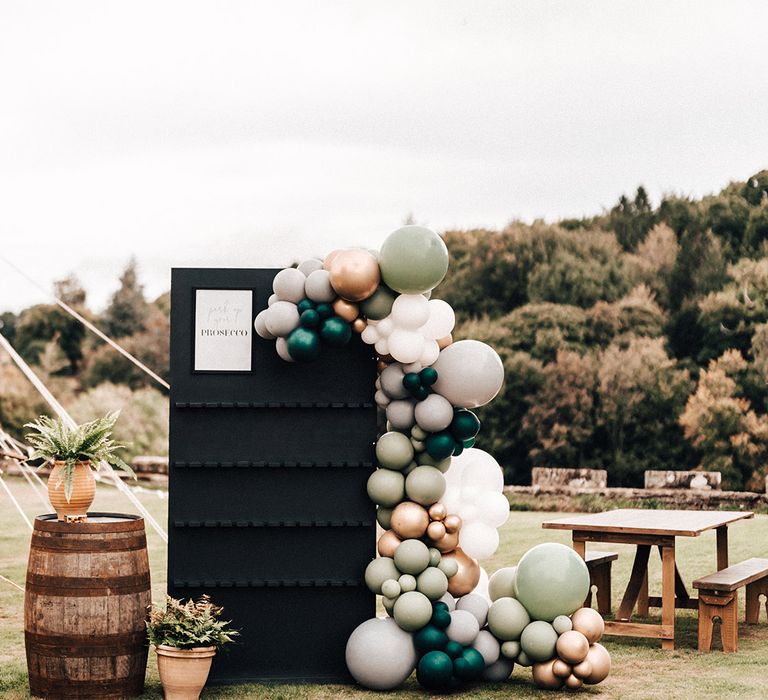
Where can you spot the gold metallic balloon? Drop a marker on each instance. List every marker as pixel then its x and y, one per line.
pixel 328 261
pixel 381 366
pixel 573 682
pixel 561 669
pixel 447 543
pixel 590 623
pixel 572 647
pixel 354 274
pixel 600 659
pixel 583 669
pixel 452 524
pixel 388 543
pixel 347 310
pixel 544 677
pixel 436 530
pixel 409 520
pixel 437 511
pixel 444 342
pixel 358 325
pixel 466 577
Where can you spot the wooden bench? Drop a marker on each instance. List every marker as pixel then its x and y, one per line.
pixel 599 565
pixel 719 598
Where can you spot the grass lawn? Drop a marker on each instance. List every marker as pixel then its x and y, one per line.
pixel 640 668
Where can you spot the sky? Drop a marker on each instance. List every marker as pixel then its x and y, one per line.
pixel 252 134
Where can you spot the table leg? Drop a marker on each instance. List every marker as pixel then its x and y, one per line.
pixel 639 572
pixel 722 547
pixel 580 547
pixel 642 598
pixel 668 594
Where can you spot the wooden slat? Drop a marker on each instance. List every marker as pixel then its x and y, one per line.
pixel 685 523
pixel 594 558
pixel 734 576
pixel 622 538
pixel 638 629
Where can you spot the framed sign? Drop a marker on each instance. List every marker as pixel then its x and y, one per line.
pixel 223 330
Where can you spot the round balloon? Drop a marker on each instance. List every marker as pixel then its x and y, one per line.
pixel 413 260
pixel 507 619
pixel 551 580
pixel 502 583
pixel 288 285
pixel 354 274
pixel 412 611
pixel 380 655
pixel 469 373
pixel 539 640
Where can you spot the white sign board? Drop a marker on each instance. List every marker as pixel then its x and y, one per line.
pixel 223 327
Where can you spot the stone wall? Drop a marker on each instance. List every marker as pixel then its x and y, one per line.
pixel 572 478
pixel 682 480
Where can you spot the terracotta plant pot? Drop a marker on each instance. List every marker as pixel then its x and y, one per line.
pixel 183 672
pixel 83 490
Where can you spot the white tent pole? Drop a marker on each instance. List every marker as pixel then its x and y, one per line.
pixel 15 502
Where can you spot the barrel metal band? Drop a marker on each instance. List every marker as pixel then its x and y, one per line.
pixel 89 546
pixel 86 646
pixel 79 587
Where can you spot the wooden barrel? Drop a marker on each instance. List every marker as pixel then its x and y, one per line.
pixel 85 607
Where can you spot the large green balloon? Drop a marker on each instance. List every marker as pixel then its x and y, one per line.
pixel 429 638
pixel 412 557
pixel 469 666
pixel 378 571
pixel 440 445
pixel 435 671
pixel 432 582
pixel 551 580
pixel 538 641
pixel 413 260
pixel 304 344
pixel 378 305
pixel 335 331
pixel 386 487
pixel 394 451
pixel 425 485
pixel 507 619
pixel 412 611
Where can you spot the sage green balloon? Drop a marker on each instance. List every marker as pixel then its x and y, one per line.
pixel 379 570
pixel 562 623
pixel 412 611
pixel 432 582
pixel 412 557
pixel 425 485
pixel 523 660
pixel 507 618
pixel 384 517
pixel 434 556
pixel 450 567
pixel 510 649
pixel 379 304
pixel 407 583
pixel 394 451
pixel 502 583
pixel 390 588
pixel 538 641
pixel 386 487
pixel 389 604
pixel 413 260
pixel 418 434
pixel 551 580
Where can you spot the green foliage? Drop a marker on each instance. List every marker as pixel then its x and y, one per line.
pixel 632 219
pixel 189 625
pixel 53 440
pixel 127 309
pixel 38 325
pixel 19 403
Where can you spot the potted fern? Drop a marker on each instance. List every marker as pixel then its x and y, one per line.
pixel 186 637
pixel 75 454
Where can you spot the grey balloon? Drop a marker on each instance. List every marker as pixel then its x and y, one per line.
pixel 469 373
pixel 309 266
pixel 499 671
pixel 289 285
pixel 400 414
pixel 434 413
pixel 260 325
pixel 281 318
pixel 380 655
pixel 477 605
pixel 318 287
pixel 488 646
pixel 392 382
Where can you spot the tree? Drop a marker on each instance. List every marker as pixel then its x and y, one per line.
pixel 630 219
pixel 726 215
pixel 700 267
pixel 755 189
pixel 40 324
pixel 128 308
pixel 561 415
pixel 757 226
pixel 729 436
pixel 70 291
pixel 655 261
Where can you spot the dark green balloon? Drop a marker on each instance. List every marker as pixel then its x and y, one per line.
pixel 411 381
pixel 440 604
pixel 435 670
pixel 469 443
pixel 325 310
pixel 420 393
pixel 303 344
pixel 440 445
pixel 469 666
pixel 454 649
pixel 428 376
pixel 309 318
pixel 379 304
pixel 458 448
pixel 441 618
pixel 429 638
pixel 465 425
pixel 304 305
pixel 335 331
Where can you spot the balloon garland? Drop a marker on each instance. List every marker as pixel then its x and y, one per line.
pixel 439 499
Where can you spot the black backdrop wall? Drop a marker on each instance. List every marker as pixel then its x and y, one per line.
pixel 268 510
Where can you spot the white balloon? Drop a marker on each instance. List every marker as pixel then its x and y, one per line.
pixel 317 287
pixel 488 646
pixel 481 588
pixel 309 266
pixel 272 299
pixel 281 345
pixel 478 540
pixel 494 508
pixel 281 318
pixel 469 373
pixel 380 655
pixel 260 325
pixel 410 311
pixel 441 320
pixel 413 367
pixel 385 327
pixel 434 413
pixel 405 346
pixel 450 601
pixel 370 334
pixel 452 497
pixel 463 627
pixel 381 399
pixel 392 381
pixel 400 414
pixel 481 470
pixel 475 604
pixel 289 285
pixel 382 346
pixel 430 353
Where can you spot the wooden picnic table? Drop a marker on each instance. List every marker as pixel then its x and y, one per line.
pixel 647 529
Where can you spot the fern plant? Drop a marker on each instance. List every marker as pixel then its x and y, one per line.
pixel 189 625
pixel 54 441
